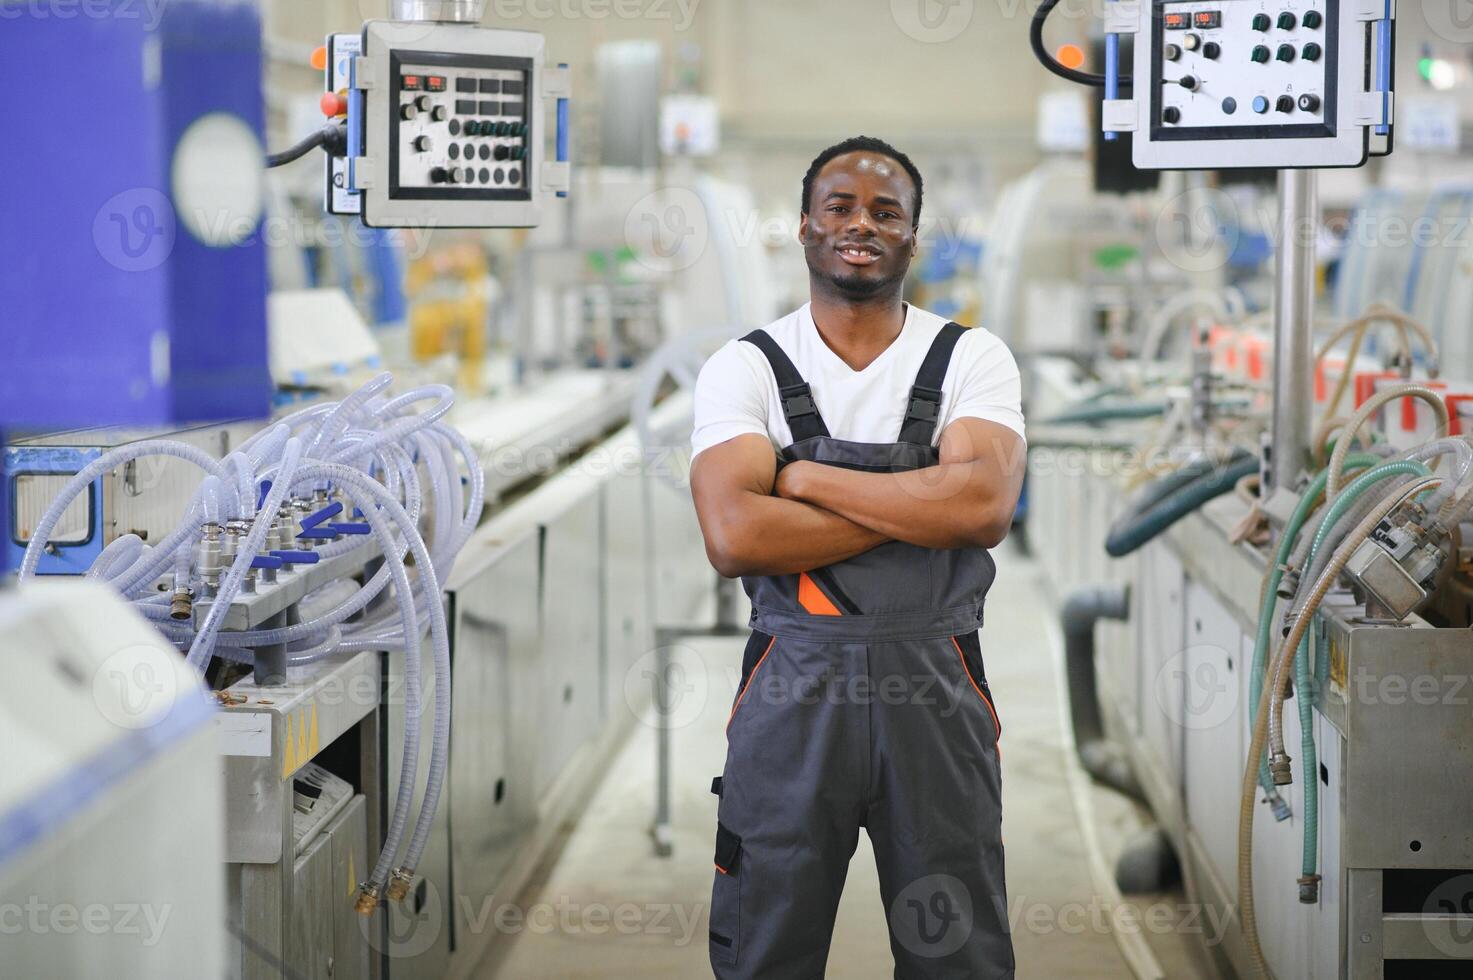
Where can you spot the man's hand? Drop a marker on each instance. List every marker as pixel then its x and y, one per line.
pixel 966 501
pixel 749 531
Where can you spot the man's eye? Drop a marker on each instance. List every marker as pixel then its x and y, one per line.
pixel 837 209
pixel 887 215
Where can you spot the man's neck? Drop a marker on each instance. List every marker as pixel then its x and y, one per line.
pixel 858 331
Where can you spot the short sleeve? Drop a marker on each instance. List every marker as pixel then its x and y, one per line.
pixel 987 385
pixel 730 399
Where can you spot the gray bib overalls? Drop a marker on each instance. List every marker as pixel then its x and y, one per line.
pixel 863 703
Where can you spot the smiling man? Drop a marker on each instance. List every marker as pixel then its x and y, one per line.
pixel 854 462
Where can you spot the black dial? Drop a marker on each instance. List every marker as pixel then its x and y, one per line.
pixel 1171 114
pixel 1284 103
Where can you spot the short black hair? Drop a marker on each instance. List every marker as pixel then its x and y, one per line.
pixel 866 144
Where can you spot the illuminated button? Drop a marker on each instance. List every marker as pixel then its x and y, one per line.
pixel 1190 82
pixel 455 175
pixel 1261 22
pixel 1171 52
pixel 438 113
pixel 1313 19
pixel 1311 52
pixel 1284 103
pixel 422 144
pixel 1286 52
pixel 1260 104
pixel 1171 114
pixel 1309 103
pixel 1229 105
pixel 1287 20
pixel 1260 54
pixel 333 105
pixel 1211 50
pixel 423 103
pixel 1191 42
pixel 407 111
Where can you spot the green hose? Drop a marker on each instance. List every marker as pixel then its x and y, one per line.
pixel 1302 672
pixel 1308 501
pixel 1101 412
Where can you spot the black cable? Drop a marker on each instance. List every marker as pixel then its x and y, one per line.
pixel 1035 38
pixel 332 137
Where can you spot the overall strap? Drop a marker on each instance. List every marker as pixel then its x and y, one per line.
pixel 924 408
pixel 794 393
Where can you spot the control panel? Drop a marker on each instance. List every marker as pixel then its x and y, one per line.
pixel 1255 83
pixel 447 126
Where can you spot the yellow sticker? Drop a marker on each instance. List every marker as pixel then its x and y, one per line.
pixel 312 745
pixel 289 755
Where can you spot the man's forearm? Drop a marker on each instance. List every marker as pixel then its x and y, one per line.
pixel 950 505
pixel 764 535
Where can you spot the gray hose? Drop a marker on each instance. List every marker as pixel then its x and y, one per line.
pixel 1100 758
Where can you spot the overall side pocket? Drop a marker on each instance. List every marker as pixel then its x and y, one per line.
pixel 969 649
pixel 726 897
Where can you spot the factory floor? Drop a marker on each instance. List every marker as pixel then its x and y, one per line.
pixel 609 909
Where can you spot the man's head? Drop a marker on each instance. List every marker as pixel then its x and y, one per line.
pixel 861 209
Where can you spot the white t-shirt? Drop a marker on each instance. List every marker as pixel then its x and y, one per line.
pixel 737 394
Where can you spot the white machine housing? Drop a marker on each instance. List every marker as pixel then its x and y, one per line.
pixel 1221 84
pixel 420 95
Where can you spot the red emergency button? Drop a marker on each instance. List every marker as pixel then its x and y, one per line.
pixel 333 104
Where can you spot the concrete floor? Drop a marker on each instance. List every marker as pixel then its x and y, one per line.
pixel 606 907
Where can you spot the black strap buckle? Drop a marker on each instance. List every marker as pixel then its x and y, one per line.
pixel 925 404
pixel 798 401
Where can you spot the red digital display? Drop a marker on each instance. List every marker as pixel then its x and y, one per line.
pixel 436 82
pixel 411 83
pixel 1176 21
pixel 1207 19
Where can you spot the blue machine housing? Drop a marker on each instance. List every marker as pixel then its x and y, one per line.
pixel 112 312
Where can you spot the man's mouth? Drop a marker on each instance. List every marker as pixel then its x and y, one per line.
pixel 858 253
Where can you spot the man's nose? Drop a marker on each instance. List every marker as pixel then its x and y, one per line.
pixel 860 222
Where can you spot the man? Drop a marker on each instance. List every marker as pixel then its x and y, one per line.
pixel 853 463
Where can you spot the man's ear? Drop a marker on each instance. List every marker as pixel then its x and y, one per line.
pixel 803 228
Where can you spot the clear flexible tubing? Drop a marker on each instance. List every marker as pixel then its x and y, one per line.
pixel 204 639
pixel 1248 794
pixel 80 482
pixel 336 421
pixel 439 749
pixel 380 519
pixel 1373 405
pixel 294 658
pixel 121 553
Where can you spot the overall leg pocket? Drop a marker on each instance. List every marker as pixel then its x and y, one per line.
pixel 759 646
pixel 726 897
pixel 969 650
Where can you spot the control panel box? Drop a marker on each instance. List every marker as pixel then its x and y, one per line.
pixel 1255 83
pixel 448 126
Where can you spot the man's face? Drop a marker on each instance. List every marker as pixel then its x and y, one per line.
pixel 859 231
